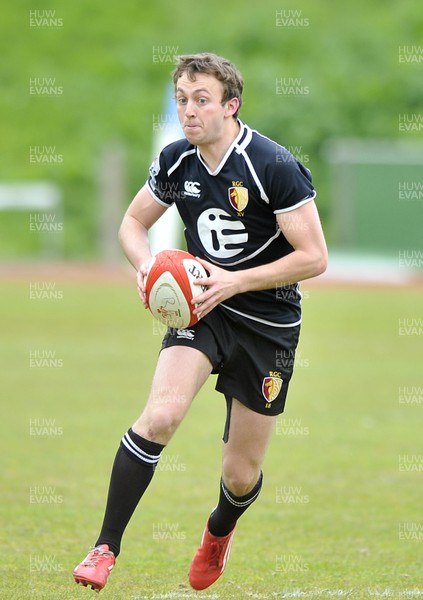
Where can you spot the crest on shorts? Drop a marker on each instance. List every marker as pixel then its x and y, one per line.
pixel 238 197
pixel 271 387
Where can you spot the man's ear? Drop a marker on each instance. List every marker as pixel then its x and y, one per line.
pixel 232 106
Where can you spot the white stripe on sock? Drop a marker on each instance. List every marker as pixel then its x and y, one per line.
pixel 151 459
pixel 234 502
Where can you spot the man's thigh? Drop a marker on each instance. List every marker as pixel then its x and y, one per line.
pixel 179 375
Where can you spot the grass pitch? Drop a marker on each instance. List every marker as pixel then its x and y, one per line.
pixel 340 511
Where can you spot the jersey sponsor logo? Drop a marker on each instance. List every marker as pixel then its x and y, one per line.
pixel 238 197
pixel 192 188
pixel 271 388
pixel 221 234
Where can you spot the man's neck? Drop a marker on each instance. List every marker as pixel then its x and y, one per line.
pixel 212 154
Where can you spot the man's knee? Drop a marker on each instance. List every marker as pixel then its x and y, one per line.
pixel 240 478
pixel 158 424
pixel 163 413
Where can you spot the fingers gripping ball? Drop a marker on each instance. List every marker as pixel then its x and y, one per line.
pixel 170 287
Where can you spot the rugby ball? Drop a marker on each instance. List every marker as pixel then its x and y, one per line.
pixel 169 287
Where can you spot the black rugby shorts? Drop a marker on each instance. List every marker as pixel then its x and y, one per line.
pixel 253 361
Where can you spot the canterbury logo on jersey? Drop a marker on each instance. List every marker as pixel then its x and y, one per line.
pixel 192 188
pixel 187 334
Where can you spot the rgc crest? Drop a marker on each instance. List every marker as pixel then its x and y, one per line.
pixel 238 198
pixel 270 388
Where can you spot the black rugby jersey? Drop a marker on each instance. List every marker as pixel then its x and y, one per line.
pixel 229 214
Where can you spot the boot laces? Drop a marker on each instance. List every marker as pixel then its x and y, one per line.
pixel 95 556
pixel 215 553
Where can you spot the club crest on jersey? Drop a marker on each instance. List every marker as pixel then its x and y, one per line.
pixel 238 197
pixel 270 388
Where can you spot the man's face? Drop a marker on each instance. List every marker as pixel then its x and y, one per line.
pixel 200 109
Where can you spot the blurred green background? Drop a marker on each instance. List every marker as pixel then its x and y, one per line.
pixel 109 67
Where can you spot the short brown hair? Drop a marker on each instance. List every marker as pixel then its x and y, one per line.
pixel 212 64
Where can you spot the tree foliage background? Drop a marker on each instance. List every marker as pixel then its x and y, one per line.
pixel 113 63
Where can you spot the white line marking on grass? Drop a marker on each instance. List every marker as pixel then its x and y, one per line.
pixel 175 596
pixel 317 593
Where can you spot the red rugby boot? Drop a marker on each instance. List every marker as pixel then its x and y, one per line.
pixel 210 559
pixel 95 568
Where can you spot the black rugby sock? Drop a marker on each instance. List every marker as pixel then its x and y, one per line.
pixel 230 507
pixel 132 471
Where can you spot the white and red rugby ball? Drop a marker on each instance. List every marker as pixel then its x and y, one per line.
pixel 169 287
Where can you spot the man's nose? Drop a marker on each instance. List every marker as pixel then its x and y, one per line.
pixel 190 108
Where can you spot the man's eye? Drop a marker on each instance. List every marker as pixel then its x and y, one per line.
pixel 202 101
pixel 181 100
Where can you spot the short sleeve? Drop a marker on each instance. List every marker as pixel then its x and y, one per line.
pixel 288 182
pixel 158 182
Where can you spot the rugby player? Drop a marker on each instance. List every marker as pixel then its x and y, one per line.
pixel 248 207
